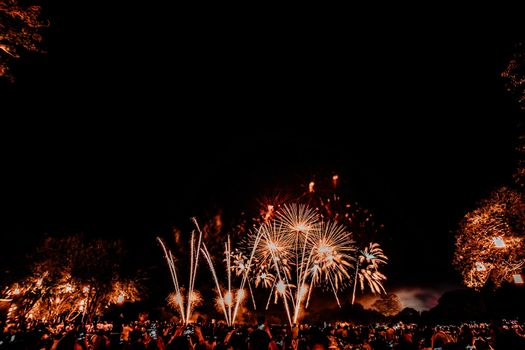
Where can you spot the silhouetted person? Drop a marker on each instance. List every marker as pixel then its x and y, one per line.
pixel 259 338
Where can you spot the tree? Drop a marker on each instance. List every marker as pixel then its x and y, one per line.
pixel 408 315
pixel 20 28
pixel 519 175
pixel 73 277
pixel 490 239
pixel 458 305
pixel 388 304
pixel 514 75
pixel 489 242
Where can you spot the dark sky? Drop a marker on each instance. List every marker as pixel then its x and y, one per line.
pixel 134 121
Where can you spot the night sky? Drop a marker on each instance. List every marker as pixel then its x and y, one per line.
pixel 134 121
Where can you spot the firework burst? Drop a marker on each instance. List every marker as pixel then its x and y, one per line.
pixel 297 252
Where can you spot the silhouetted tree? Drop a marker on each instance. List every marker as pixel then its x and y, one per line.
pixel 388 304
pixel 459 305
pixel 489 241
pixel 408 315
pixel 514 75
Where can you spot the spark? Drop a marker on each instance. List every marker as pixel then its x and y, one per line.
pixel 269 212
pixel 334 180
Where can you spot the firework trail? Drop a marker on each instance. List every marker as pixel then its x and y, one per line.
pixel 185 307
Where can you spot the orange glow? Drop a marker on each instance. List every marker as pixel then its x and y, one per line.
pixel 334 179
pixel 269 212
pixel 240 294
pixel 311 186
pixel 228 299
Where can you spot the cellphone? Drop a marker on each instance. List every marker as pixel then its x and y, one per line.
pixel 261 327
pixel 153 332
pixel 189 330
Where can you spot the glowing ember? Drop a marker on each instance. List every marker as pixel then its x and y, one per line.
pixel 269 212
pixel 334 180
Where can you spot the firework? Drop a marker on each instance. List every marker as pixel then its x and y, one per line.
pixel 332 256
pixel 185 306
pixel 296 252
pixel 229 299
pixel 367 270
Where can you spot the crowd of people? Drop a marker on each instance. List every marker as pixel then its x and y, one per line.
pixel 147 335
